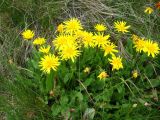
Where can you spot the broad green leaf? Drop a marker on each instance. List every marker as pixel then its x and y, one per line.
pixel 50 81
pixel 67 77
pixel 88 81
pixel 64 100
pixel 56 109
pixel 79 96
pixel 149 70
pixel 154 83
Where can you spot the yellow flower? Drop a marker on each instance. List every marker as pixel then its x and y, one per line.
pixel 28 34
pixel 87 39
pixel 135 74
pixel 135 38
pixel 102 75
pixel 140 44
pixel 120 26
pixel 44 49
pixel 79 34
pixel 39 41
pixel 87 70
pixel 148 10
pixel 116 62
pixel 69 52
pixel 48 63
pixel 63 40
pixel 100 27
pixel 72 25
pixel 101 40
pixel 147 46
pixel 60 28
pixel 151 48
pixel 109 49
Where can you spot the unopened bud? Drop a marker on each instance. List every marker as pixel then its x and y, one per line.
pixel 134 105
pixel 51 93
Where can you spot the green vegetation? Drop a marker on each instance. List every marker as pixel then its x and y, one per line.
pixel 25 91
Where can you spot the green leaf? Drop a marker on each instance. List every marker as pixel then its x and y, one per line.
pixel 98 84
pixel 105 95
pixel 154 83
pixel 129 47
pixel 79 95
pixel 56 109
pixel 50 81
pixel 64 100
pixel 149 70
pixel 87 82
pixel 67 77
pixel 121 89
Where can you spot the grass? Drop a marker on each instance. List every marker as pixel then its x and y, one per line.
pixel 20 98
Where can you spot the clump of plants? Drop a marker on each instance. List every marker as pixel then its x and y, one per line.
pixel 93 73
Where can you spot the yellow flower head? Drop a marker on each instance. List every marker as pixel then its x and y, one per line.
pixel 102 75
pixel 60 28
pixel 151 48
pixel 39 41
pixel 148 10
pixel 140 44
pixel 109 49
pixel 79 34
pixel 69 52
pixel 48 63
pixel 100 27
pixel 87 70
pixel 44 49
pixel 101 40
pixel 87 39
pixel 120 26
pixel 135 38
pixel 116 62
pixel 147 46
pixel 63 40
pixel 28 34
pixel 135 74
pixel 72 25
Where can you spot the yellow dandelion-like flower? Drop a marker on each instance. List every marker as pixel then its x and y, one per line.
pixel 120 26
pixel 109 49
pixel 135 74
pixel 79 34
pixel 100 27
pixel 140 44
pixel 116 62
pixel 102 75
pixel 148 10
pixel 88 40
pixel 72 25
pixel 87 70
pixel 44 49
pixel 48 63
pixel 101 40
pixel 39 41
pixel 60 28
pixel 63 40
pixel 135 38
pixel 28 34
pixel 151 48
pixel 69 52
